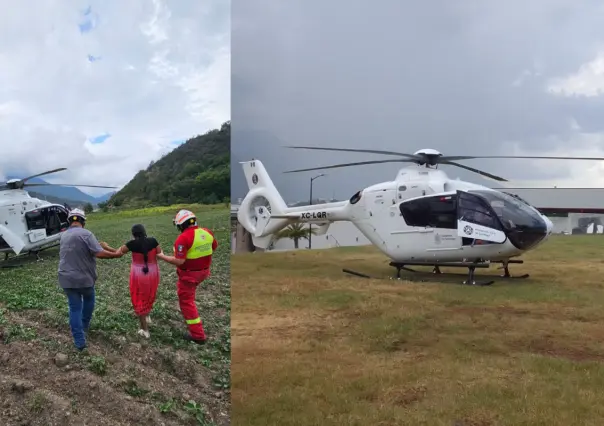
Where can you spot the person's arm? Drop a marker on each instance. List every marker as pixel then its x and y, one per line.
pixel 171 259
pixel 123 249
pixel 180 252
pixel 98 251
pixel 104 254
pixel 107 246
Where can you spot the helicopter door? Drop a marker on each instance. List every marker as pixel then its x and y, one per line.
pixel 10 239
pixel 476 220
pixel 56 219
pixel 36 225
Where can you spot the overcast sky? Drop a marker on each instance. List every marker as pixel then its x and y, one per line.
pixel 463 77
pixel 104 87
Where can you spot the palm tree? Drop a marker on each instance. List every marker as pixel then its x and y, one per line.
pixel 296 232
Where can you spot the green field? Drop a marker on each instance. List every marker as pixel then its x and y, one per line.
pixel 123 379
pixel 312 346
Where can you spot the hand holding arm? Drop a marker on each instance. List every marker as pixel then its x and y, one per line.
pixel 107 246
pixel 170 259
pixel 105 254
pixel 99 251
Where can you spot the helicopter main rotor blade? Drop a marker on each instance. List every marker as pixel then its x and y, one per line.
pixel 67 184
pixel 42 174
pixel 366 151
pixel 362 163
pixel 472 169
pixel 470 157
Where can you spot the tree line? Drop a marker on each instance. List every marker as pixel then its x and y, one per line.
pixel 198 171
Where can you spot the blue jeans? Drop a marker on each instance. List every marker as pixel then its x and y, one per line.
pixel 81 305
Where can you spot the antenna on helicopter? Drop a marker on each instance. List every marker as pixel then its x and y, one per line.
pixel 427 157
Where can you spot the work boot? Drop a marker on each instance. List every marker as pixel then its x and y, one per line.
pixel 144 333
pixel 190 338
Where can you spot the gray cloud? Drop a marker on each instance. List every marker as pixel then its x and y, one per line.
pixel 460 77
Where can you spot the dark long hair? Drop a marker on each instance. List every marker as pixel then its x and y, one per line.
pixel 139 233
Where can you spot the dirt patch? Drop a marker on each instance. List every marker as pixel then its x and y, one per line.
pixel 473 422
pixel 535 312
pixel 548 346
pixel 500 311
pixel 408 396
pixel 43 381
pixel 284 327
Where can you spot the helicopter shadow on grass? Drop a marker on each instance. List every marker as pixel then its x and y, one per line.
pixel 27 259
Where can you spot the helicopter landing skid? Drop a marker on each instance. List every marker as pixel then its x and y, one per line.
pixel 506 271
pixel 471 278
pixel 11 261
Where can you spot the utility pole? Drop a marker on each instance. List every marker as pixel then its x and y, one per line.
pixel 312 179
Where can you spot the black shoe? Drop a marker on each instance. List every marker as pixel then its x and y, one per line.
pixel 190 338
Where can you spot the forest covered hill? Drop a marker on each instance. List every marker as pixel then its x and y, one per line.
pixel 198 171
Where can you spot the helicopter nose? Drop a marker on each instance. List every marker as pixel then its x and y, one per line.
pixel 548 225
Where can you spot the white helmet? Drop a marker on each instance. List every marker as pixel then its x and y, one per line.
pixel 77 215
pixel 184 217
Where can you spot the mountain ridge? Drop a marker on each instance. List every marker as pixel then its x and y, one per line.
pixel 67 193
pixel 197 171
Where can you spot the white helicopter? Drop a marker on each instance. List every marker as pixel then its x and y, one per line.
pixel 421 218
pixel 27 224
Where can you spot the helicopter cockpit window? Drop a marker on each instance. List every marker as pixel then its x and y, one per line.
pixel 513 213
pixel 435 212
pixel 473 210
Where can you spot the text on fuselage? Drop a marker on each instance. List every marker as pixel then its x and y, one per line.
pixel 313 215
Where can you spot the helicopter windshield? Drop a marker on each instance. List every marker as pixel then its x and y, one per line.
pixel 523 224
pixel 518 197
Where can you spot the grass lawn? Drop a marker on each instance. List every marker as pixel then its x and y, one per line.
pixel 313 346
pixel 124 379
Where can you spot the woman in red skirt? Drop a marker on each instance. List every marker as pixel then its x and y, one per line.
pixel 144 274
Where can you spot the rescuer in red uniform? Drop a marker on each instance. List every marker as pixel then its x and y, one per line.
pixel 193 251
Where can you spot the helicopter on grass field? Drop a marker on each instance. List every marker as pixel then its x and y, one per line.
pixel 421 218
pixel 27 224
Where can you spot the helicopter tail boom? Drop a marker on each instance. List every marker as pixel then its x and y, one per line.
pixel 263 212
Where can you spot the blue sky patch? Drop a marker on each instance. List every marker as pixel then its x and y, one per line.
pixel 100 138
pixel 93 58
pixel 89 21
pixel 177 142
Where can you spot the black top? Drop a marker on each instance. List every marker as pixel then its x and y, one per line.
pixel 142 245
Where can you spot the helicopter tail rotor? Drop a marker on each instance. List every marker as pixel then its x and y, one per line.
pixel 262 201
